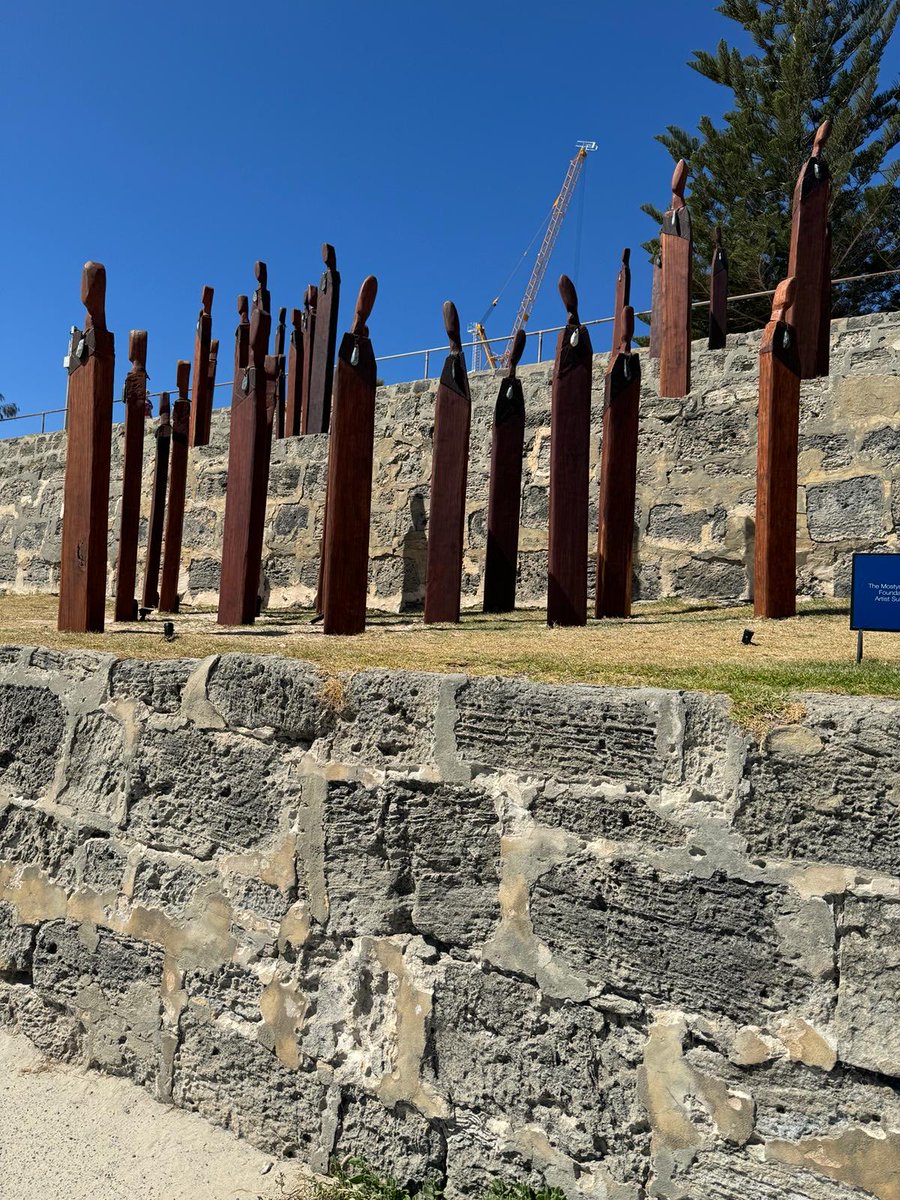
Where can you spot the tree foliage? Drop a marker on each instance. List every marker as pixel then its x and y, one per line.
pixel 811 59
pixel 7 410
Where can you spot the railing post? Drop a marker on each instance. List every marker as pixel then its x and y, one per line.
pixel 540 352
pixel 427 357
pixel 42 422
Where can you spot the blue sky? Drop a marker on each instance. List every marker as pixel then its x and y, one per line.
pixel 177 143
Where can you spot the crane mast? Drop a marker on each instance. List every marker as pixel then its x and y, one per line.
pixel 551 233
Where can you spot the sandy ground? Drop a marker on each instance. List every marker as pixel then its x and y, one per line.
pixel 71 1134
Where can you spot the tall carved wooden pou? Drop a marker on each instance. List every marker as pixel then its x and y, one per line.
pixel 308 335
pixel 322 370
pixel 449 471
pixel 676 254
pixel 294 381
pixel 345 575
pixel 202 398
pixel 618 476
pixel 211 373
pixel 718 295
pixel 91 363
pixel 570 434
pixel 135 396
pixel 656 308
pixel 242 540
pixel 501 557
pixel 623 298
pixel 810 260
pixel 157 504
pixel 178 464
pixel 280 382
pixel 775 586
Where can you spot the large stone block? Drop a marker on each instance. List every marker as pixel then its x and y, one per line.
pixel 620 816
pixel 95 779
pixel 31 838
pixel 868 1006
pixel 387 719
pixel 396 1141
pixel 32 726
pixel 850 509
pixel 284 695
pixel 158 685
pixel 16 942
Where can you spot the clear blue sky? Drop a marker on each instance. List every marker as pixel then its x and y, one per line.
pixel 177 143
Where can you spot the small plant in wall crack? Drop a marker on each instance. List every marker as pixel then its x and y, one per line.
pixel 355 1179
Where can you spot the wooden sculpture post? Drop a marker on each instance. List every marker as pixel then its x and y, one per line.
pixel 91 364
pixel 294 383
pixel 449 470
pixel 345 576
pixel 322 370
pixel 501 558
pixel 135 397
pixel 157 504
pixel 308 333
pixel 718 295
pixel 675 289
pixel 656 308
pixel 178 463
pixel 570 433
pixel 775 588
pixel 280 381
pixel 211 373
pixel 202 398
pixel 810 259
pixel 823 359
pixel 618 476
pixel 242 541
pixel 623 298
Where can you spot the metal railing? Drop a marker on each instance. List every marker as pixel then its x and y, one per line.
pixel 426 353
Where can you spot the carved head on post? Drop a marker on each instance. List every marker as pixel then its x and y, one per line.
pixel 137 350
pixel 282 316
pixel 679 180
pixel 626 258
pixel 260 326
pixel 783 299
pixel 627 333
pixel 518 349
pixel 183 378
pixel 93 295
pixel 570 299
pixel 165 417
pixel 329 258
pixel 365 302
pixel 206 299
pixel 311 298
pixel 451 325
pixel 296 322
pixel 262 297
pixel 243 307
pixel 822 135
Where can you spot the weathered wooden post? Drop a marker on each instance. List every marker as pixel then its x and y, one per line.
pixel 501 557
pixel 262 297
pixel 775 585
pixel 91 364
pixel 656 308
pixel 211 373
pixel 308 334
pixel 618 476
pixel 294 383
pixel 242 539
pixel 280 382
pixel 202 398
pixel 178 463
pixel 345 577
pixel 449 470
pixel 570 434
pixel 623 298
pixel 810 260
pixel 322 369
pixel 157 504
pixel 718 295
pixel 134 394
pixel 675 288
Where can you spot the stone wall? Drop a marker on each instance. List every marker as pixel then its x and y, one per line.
pixel 475 926
pixel 696 484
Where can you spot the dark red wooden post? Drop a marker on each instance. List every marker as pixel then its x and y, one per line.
pixel 656 308
pixel 322 370
pixel 775 586
pixel 211 373
pixel 294 383
pixel 677 252
pixel 618 476
pixel 623 299
pixel 809 250
pixel 345 580
pixel 262 297
pixel 157 504
pixel 91 364
pixel 823 361
pixel 570 434
pixel 242 541
pixel 135 396
pixel 280 382
pixel 201 400
pixel 178 464
pixel 449 470
pixel 308 333
pixel 501 557
pixel 718 295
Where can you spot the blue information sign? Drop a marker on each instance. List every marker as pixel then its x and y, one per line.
pixel 875 593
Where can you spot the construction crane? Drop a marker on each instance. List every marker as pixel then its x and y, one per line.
pixel 551 233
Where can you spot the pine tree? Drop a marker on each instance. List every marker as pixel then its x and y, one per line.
pixel 812 59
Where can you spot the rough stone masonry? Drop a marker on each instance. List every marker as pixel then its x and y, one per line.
pixel 593 936
pixel 694 533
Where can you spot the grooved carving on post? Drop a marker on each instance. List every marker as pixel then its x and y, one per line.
pixel 505 491
pixel 718 295
pixel 449 470
pixel 570 431
pixel 623 298
pixel 91 365
pixel 308 338
pixel 178 462
pixel 675 291
pixel 810 261
pixel 202 397
pixel 775 584
pixel 134 394
pixel 618 476
pixel 322 370
pixel 345 574
pixel 157 504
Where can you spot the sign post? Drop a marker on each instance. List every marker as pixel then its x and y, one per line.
pixel 874 596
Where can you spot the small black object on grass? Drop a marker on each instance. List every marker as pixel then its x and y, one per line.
pixel 143 613
pixel 747 637
pixel 169 630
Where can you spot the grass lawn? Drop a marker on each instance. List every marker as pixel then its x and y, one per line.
pixel 674 644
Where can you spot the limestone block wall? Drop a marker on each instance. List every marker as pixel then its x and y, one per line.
pixel 592 936
pixel 694 530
